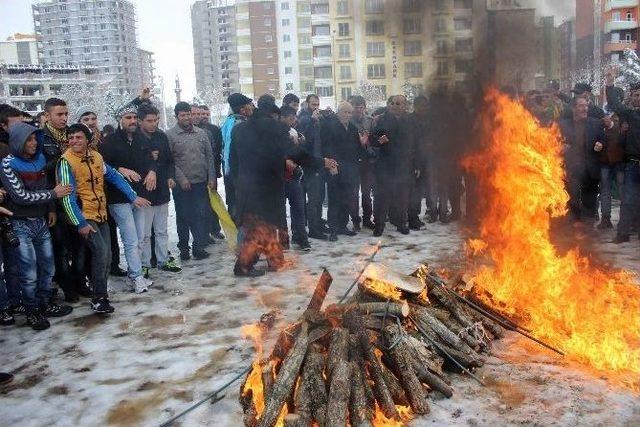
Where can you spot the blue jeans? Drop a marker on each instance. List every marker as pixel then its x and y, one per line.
pixel 629 211
pixel 4 297
pixel 192 209
pixel 130 222
pixel 34 260
pixel 11 280
pixel 609 174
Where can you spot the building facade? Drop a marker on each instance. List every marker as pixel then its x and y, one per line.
pixel 620 28
pixel 19 49
pixel 93 33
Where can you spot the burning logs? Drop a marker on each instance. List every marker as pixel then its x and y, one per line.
pixel 373 360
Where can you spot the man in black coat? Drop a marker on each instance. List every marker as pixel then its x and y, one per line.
pixel 257 165
pixel 342 142
pixel 395 169
pixel 584 139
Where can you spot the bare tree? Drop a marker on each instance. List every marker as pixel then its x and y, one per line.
pixel 372 94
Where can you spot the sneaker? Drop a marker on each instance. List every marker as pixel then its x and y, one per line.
pixel 5 378
pixel 200 254
pixel 403 230
pixel 57 310
pixel 18 309
pixel 431 217
pixel 117 272
pixel 171 267
pixel 184 255
pixel 333 237
pixel 318 236
pixel 37 321
pixel 356 226
pixel 139 284
pixel 368 224
pixel 416 224
pixel 102 306
pixel 6 318
pixel 377 231
pixel 145 272
pixel 347 232
pixel 218 236
pixel 304 245
pixel 149 282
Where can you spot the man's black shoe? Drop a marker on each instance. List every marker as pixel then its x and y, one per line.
pixel 377 232
pixel 318 236
pixel 416 225
pixel 71 298
pixel 347 232
pixel 403 230
pixel 247 272
pixel 368 224
pixel 117 272
pixel 211 240
pixel 5 378
pixel 326 230
pixel 184 255
pixel 37 321
pixel 55 310
pixel 6 318
pixel 200 254
pixel 102 306
pixel 304 245
pixel 218 236
pixel 605 224
pixel 19 309
pixel 356 226
pixel 621 239
pixel 430 217
pixel 333 237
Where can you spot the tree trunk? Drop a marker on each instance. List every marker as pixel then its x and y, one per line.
pixel 313 380
pixel 338 350
pixel 320 293
pixel 359 413
pixel 339 393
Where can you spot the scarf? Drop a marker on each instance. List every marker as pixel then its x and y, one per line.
pixel 60 136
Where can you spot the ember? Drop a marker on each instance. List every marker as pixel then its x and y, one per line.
pixel 372 360
pixel 591 314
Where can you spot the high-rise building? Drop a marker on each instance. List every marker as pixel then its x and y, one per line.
pixel 19 49
pixel 567 54
pixel 620 25
pixel 94 33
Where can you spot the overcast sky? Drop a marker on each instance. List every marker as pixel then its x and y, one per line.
pixel 164 27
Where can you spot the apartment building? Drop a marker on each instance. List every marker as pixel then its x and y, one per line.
pixel 19 49
pixel 620 28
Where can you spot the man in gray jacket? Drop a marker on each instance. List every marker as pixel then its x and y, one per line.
pixel 195 171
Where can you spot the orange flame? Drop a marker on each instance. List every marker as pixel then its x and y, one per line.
pixel 254 383
pixel 593 315
pixel 375 283
pixel 381 420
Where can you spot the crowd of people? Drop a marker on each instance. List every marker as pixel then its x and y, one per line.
pixel 67 188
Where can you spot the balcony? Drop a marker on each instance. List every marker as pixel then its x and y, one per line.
pixel 620 25
pixel 620 46
pixel 620 4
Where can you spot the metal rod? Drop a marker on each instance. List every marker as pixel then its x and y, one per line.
pixel 505 323
pixel 369 261
pixel 446 353
pixel 210 396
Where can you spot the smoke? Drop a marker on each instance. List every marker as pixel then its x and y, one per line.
pixel 560 9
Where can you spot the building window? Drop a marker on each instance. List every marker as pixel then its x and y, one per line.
pixel 374 6
pixel 627 37
pixel 270 70
pixel 308 87
pixel 284 6
pixel 320 30
pixel 288 86
pixel 409 6
pixel 267 22
pixel 442 47
pixel 443 68
pixel 325 91
pixel 463 66
pixel 304 39
pixel 464 45
pixel 268 38
pixel 344 51
pixel 322 52
pixel 306 71
pixel 266 6
pixel 462 4
pixel 629 16
pixel 375 28
pixel 375 71
pixel 323 72
pixel 345 93
pixel 412 69
pixel 269 54
pixel 441 5
pixel 413 26
pixel 320 9
pixel 462 24
pixel 412 47
pixel 342 7
pixel 375 49
pixel 441 25
pixel 286 38
pixel 345 72
pixel 343 29
pixel 287 54
pixel 615 16
pixel 288 70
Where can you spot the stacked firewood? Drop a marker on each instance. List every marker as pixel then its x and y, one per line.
pixel 373 360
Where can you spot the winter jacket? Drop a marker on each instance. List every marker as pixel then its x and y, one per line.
pixel 52 150
pixel 310 128
pixel 192 155
pixel 86 174
pixel 165 168
pixel 615 146
pixel 580 157
pixel 340 143
pixel 226 130
pixel 119 152
pixel 25 179
pixel 257 165
pixel 396 157
pixel 629 115
pixel 215 136
pixel 422 126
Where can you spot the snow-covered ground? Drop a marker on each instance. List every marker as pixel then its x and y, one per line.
pixel 163 350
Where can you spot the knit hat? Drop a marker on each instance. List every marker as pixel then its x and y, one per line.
pixel 128 108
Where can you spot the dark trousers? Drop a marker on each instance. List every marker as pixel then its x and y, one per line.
pixel 314 189
pixel 367 184
pixel 295 195
pixel 456 189
pixel 113 238
pixel 213 221
pixel 99 244
pixel 583 195
pixel 630 209
pixel 418 192
pixel 191 215
pixel 343 197
pixel 63 238
pixel 230 195
pixel 391 199
pixel 258 238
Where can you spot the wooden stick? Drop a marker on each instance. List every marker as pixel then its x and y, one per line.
pixel 393 308
pixel 359 413
pixel 338 350
pixel 312 378
pixel 339 393
pixel 320 293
